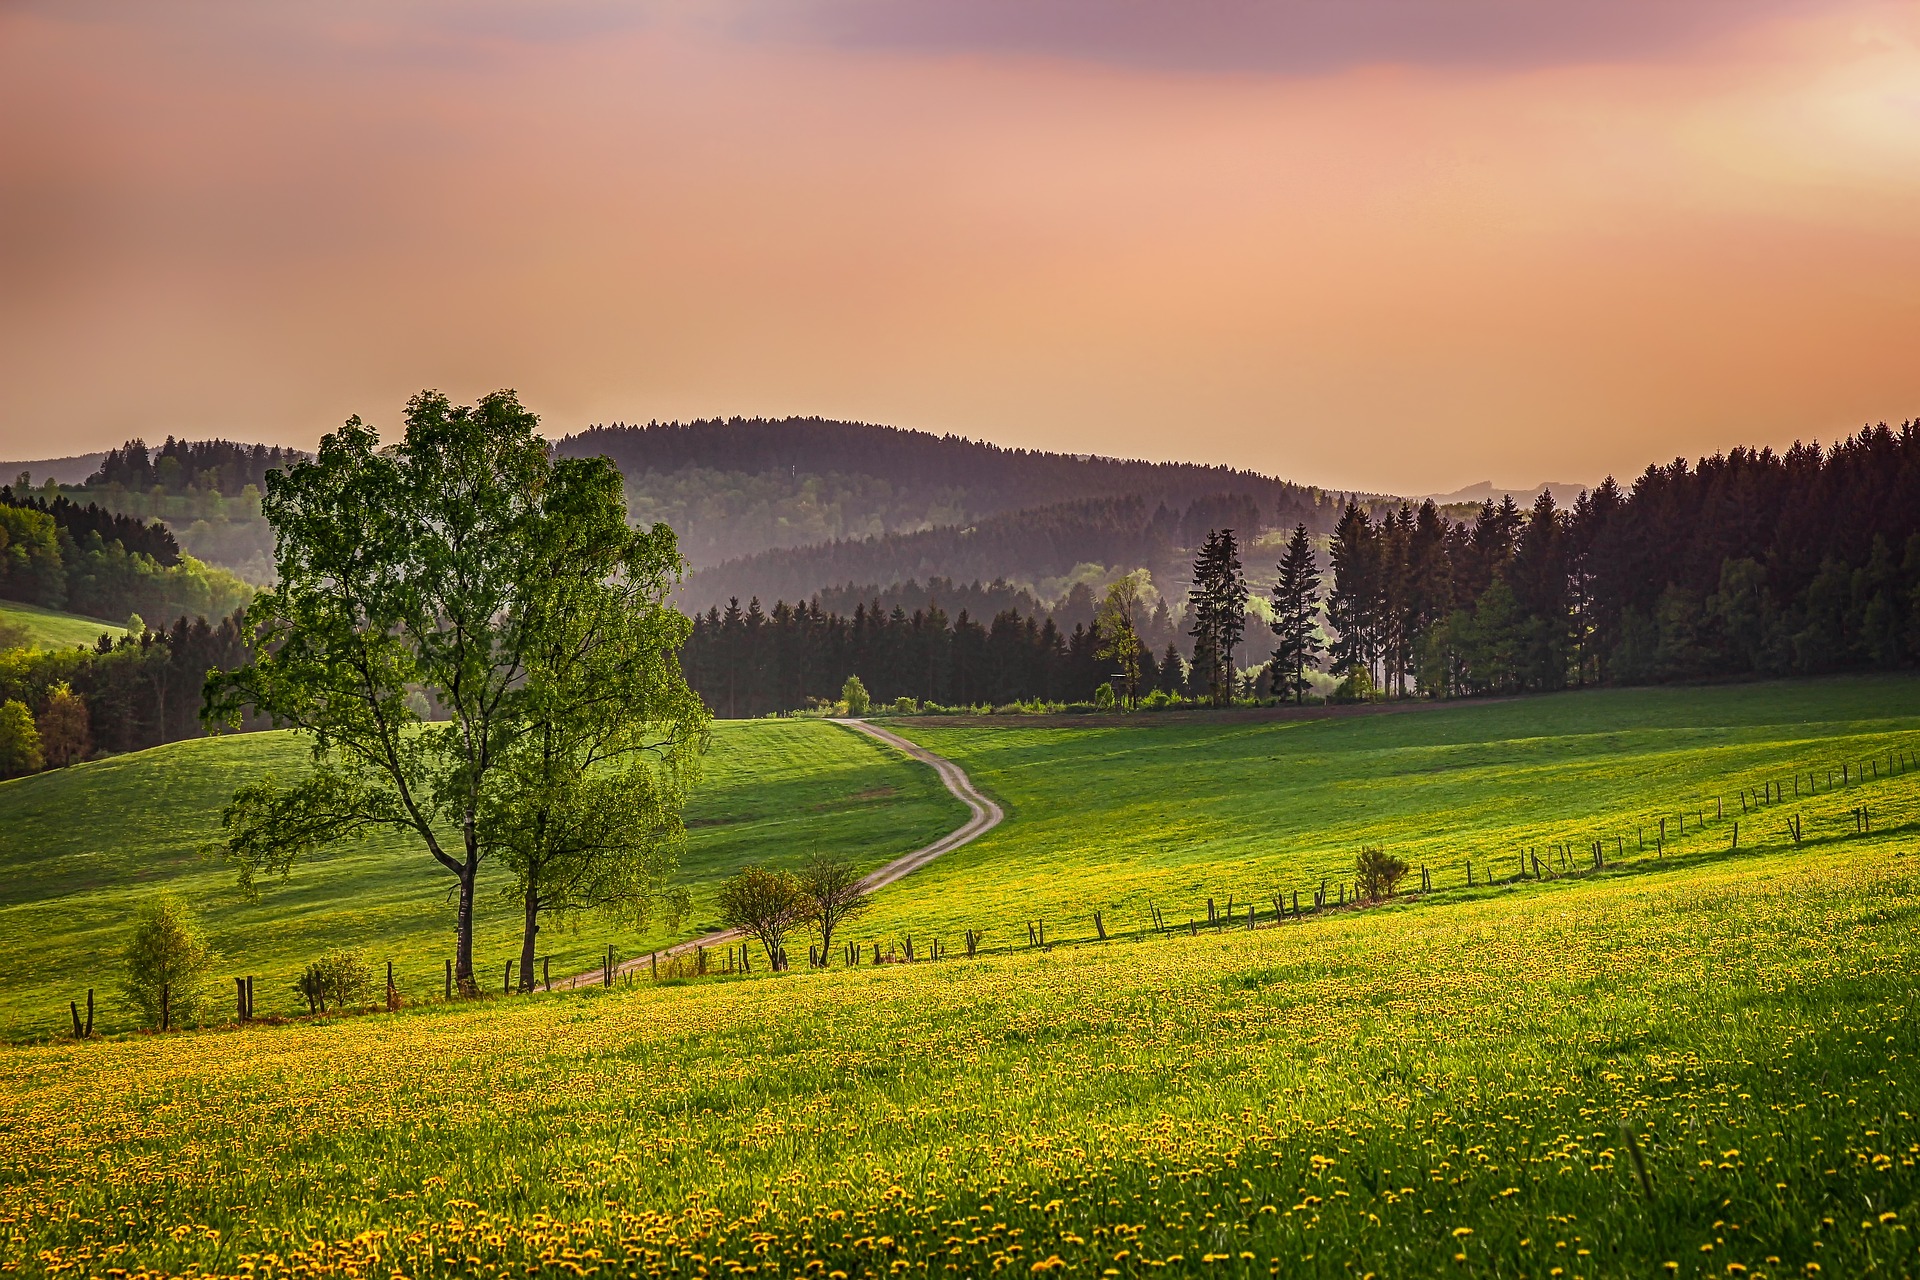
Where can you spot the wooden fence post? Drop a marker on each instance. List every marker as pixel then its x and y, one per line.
pixel 449 979
pixel 73 1007
pixel 506 981
pixel 1736 833
pixel 90 1005
pixel 166 1000
pixel 1099 926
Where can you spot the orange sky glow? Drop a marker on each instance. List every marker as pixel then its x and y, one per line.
pixel 1372 256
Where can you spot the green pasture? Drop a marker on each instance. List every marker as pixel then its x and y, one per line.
pixel 51 629
pixel 81 847
pixel 1706 1069
pixel 1175 811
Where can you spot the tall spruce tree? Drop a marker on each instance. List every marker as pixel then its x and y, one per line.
pixel 1356 599
pixel 1296 602
pixel 1218 600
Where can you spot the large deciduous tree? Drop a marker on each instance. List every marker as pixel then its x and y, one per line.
pixel 448 572
pixel 585 807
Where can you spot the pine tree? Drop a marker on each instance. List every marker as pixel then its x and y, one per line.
pixel 1354 602
pixel 1219 612
pixel 1296 601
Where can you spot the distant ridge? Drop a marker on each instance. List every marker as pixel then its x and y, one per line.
pixel 1563 493
pixel 71 470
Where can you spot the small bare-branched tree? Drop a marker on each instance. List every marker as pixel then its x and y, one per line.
pixel 834 896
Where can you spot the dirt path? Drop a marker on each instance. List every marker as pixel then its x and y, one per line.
pixel 983 816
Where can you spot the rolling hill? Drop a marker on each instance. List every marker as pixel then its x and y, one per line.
pixel 51 629
pixel 1696 1059
pixel 81 847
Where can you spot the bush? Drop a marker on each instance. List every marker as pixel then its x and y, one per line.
pixel 63 724
pixel 1103 697
pixel 854 694
pixel 1357 687
pixel 19 740
pixel 1378 873
pixel 169 954
pixel 338 978
pixel 905 706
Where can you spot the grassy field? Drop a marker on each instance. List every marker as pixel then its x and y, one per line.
pixel 49 629
pixel 1699 1062
pixel 1174 812
pixel 80 847
pixel 1708 1072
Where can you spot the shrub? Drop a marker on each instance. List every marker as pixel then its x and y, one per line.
pixel 765 903
pixel 19 740
pixel 905 706
pixel 854 694
pixel 1378 873
pixel 167 953
pixel 1357 687
pixel 340 978
pixel 63 725
pixel 1103 697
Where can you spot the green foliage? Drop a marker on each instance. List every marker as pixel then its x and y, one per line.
pixel 854 694
pixel 466 563
pixel 340 979
pixel 1216 616
pixel 166 956
pixel 65 737
pixel 1377 873
pixel 20 750
pixel 1355 686
pixel 1117 621
pixel 1103 697
pixel 766 903
pixel 1295 621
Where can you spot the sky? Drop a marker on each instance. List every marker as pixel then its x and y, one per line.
pixel 1392 245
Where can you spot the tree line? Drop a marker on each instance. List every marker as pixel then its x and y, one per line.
pixel 225 467
pixel 59 707
pixel 750 662
pixel 1748 563
pixel 58 554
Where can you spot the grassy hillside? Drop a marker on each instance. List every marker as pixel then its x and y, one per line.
pixel 50 629
pixel 1694 1063
pixel 80 847
pixel 1174 811
pixel 1703 1073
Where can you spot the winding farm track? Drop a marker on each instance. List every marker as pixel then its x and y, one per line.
pixel 983 815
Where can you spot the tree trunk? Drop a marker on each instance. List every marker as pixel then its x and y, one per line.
pixel 463 929
pixel 529 932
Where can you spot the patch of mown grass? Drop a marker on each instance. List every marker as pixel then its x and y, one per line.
pixel 80 847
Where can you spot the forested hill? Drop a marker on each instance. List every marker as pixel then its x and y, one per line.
pixel 733 488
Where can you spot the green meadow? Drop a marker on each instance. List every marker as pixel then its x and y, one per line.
pixel 1175 812
pixel 51 629
pixel 1695 1060
pixel 81 847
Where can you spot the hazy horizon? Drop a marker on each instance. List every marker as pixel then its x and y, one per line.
pixel 1391 246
